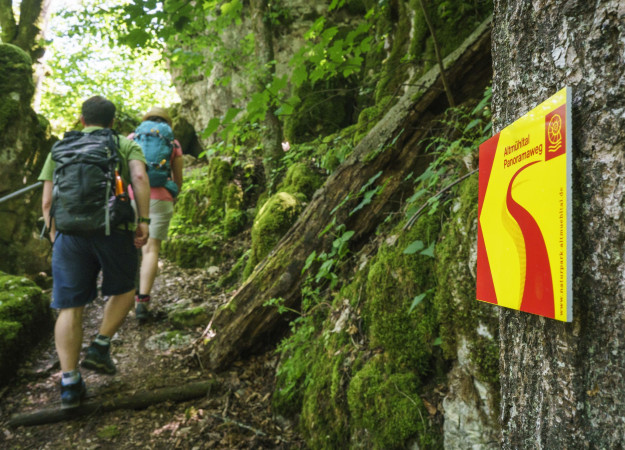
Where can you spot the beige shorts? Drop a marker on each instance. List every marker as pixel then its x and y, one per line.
pixel 161 212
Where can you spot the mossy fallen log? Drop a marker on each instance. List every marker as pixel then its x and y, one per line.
pixel 124 400
pixel 390 151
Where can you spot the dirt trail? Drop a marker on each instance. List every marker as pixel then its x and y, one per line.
pixel 237 415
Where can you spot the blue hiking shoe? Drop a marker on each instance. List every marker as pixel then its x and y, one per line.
pixel 98 358
pixel 72 394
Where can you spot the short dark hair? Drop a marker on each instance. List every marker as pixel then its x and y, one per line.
pixel 98 111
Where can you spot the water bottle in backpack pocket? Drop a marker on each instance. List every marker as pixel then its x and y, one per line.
pixel 156 141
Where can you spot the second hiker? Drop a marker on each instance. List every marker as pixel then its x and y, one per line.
pixel 163 154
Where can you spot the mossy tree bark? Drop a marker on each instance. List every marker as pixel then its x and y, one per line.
pixel 392 148
pixel 563 384
pixel 24 33
pixel 23 145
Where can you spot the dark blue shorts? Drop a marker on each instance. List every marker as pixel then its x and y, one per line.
pixel 77 260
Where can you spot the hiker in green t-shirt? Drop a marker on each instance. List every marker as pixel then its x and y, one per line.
pixel 78 258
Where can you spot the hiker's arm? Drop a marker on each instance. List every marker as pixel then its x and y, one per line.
pixel 176 171
pixel 46 204
pixel 141 189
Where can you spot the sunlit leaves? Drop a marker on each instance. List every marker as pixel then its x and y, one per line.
pixel 81 65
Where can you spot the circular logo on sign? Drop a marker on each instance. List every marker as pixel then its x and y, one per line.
pixel 555 129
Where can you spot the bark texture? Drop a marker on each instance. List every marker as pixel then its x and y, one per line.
pixel 390 148
pixel 24 143
pixel 563 384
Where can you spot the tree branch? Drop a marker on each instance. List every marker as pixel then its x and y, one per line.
pixel 7 21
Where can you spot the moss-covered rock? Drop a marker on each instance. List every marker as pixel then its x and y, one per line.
pixel 385 407
pixel 25 317
pixel 394 280
pixel 459 314
pixel 301 178
pixel 274 219
pixel 184 319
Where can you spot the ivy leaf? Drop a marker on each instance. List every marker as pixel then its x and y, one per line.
pixel 212 126
pixel 472 124
pixel 414 247
pixel 311 258
pixel 416 195
pixel 429 251
pixel 418 299
pixel 299 75
pixel 231 114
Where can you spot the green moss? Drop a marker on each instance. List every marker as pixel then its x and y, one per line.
pixel 459 313
pixel 16 81
pixel 25 317
pixel 198 248
pixel 394 280
pixel 189 318
pixel 325 421
pixel 206 212
pixel 219 174
pixel 108 432
pixel 274 219
pixel 301 178
pixel 370 116
pixel 385 407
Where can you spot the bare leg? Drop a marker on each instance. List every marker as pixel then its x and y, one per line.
pixel 68 337
pixel 149 265
pixel 115 312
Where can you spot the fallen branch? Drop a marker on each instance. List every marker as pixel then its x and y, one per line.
pixel 125 400
pixel 239 424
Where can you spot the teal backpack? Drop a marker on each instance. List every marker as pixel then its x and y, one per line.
pixel 156 141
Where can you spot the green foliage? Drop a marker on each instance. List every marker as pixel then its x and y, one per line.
pixel 79 66
pixel 453 153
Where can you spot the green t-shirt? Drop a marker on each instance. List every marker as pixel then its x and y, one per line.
pixel 128 150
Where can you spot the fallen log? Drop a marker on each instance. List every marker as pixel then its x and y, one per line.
pixel 124 400
pixel 391 149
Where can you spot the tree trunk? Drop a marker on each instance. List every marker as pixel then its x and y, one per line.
pixel 393 148
pixel 272 132
pixel 563 384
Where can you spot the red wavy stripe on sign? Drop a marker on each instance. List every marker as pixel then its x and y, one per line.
pixel 485 288
pixel 538 292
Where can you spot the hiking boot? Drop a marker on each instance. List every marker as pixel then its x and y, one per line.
pixel 72 394
pixel 142 313
pixel 99 359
